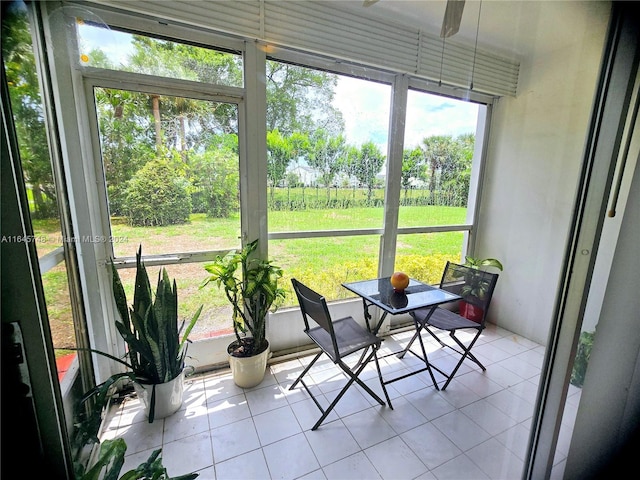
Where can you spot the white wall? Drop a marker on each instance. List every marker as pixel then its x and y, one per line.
pixel 534 155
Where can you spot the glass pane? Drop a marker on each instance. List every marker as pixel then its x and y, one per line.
pixel 437 159
pixel 26 104
pixel 215 318
pixel 100 46
pixel 324 264
pixel 56 292
pixel 172 172
pixel 327 144
pixel 423 256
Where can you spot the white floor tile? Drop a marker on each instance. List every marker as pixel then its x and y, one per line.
pixel 142 436
pixel 404 415
pixel 511 404
pixel 234 439
pixel 248 465
pixel 186 422
pixel 430 403
pixel 290 458
pixel 276 424
pixel 262 400
pixel 431 446
pixel 459 468
pixel 479 383
pixel 188 454
pixel 368 427
pixel 353 467
pixel 520 366
pixel 515 439
pixel 490 418
pixel 405 464
pixel 332 442
pixel 497 464
pixel 461 430
pixel 477 428
pixel 227 410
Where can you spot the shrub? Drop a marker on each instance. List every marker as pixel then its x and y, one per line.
pixel 215 180
pixel 157 195
pixel 581 362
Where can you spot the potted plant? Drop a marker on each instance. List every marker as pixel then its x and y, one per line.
pixel 251 286
pixel 475 286
pixel 155 352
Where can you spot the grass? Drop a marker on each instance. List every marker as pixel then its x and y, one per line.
pixel 322 263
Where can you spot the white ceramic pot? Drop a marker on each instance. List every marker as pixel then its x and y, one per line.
pixel 248 372
pixel 168 396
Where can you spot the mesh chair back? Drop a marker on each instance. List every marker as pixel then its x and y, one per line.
pixel 473 285
pixel 314 305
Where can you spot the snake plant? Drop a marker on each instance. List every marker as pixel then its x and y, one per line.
pixel 155 351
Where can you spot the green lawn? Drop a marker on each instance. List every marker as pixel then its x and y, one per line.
pixel 322 263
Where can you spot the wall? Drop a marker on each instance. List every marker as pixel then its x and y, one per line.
pixel 534 155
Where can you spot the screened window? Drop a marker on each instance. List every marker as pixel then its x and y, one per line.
pixel 171 168
pixel 103 47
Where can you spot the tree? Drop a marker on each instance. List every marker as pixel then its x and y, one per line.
pixel 365 163
pixel 299 100
pixel 325 152
pixel 181 123
pixel 279 154
pixel 126 139
pixel 19 64
pixel 440 152
pixel 456 179
pixel 280 151
pixel 215 180
pixel 412 163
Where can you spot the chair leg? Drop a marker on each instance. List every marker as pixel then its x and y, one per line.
pixel 467 353
pixel 384 388
pixel 435 336
pixel 304 372
pixel 420 324
pixel 353 378
pixel 467 350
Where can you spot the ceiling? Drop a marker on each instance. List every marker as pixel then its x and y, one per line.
pixel 511 28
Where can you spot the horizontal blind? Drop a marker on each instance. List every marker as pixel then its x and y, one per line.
pixel 328 29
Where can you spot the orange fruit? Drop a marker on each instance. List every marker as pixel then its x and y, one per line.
pixel 399 281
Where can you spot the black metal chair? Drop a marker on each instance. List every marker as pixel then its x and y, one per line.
pixel 337 339
pixel 476 289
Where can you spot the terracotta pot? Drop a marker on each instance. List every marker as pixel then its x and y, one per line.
pixel 470 311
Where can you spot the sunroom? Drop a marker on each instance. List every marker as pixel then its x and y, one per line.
pixel 538 99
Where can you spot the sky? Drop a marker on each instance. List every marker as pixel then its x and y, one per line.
pixel 365 106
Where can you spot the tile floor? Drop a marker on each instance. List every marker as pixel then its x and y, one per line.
pixel 477 429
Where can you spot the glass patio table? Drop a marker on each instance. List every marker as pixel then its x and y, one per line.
pixel 379 292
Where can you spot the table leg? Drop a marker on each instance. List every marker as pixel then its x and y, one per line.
pixel 418 336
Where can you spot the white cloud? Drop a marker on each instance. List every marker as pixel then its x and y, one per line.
pixel 365 107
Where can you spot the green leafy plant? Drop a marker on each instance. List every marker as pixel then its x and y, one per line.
pixel 474 284
pixel 251 286
pixel 585 342
pixel 110 460
pixel 155 351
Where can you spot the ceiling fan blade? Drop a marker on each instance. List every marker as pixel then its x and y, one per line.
pixel 368 3
pixel 452 18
